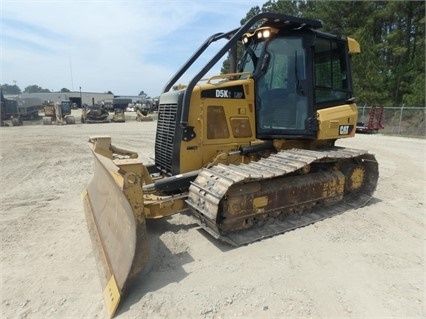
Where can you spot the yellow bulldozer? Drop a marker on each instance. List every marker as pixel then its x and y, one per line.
pixel 59 112
pixel 251 154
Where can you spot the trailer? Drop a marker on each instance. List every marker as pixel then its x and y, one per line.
pixel 374 122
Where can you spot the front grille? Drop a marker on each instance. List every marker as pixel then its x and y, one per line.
pixel 166 130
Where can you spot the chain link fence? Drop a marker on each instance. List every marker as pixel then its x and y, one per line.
pixel 403 120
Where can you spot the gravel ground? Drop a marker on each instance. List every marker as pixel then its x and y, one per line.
pixel 368 262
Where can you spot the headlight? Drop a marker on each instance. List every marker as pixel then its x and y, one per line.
pixel 266 33
pixel 260 34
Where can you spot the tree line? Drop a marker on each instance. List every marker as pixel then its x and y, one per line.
pixel 390 71
pixel 15 90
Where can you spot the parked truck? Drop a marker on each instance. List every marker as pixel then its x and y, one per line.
pixel 9 111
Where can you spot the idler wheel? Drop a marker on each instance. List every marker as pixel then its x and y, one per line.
pixel 355 177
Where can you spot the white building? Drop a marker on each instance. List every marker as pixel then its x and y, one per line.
pixel 80 98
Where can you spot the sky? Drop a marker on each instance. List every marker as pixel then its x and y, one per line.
pixel 124 46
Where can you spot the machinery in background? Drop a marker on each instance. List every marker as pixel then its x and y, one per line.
pixel 142 115
pixel 58 112
pixel 9 111
pixel 28 108
pixel 118 116
pixel 374 123
pixel 94 114
pixel 120 103
pixel 49 112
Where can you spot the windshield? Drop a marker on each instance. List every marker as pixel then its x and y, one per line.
pixel 281 94
pixel 66 105
pixel 286 66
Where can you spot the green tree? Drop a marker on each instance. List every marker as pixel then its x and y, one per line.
pixel 35 89
pixel 391 67
pixel 143 95
pixel 355 19
pixel 65 90
pixel 402 39
pixel 288 7
pixel 226 66
pixel 10 89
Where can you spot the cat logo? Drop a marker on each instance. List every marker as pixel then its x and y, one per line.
pixel 345 129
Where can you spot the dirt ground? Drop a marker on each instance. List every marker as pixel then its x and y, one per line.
pixel 368 262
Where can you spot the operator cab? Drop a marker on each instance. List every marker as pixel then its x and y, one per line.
pixel 296 72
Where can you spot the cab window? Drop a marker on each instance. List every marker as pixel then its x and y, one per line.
pixel 331 71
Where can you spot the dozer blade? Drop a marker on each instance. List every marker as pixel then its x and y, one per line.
pixel 113 205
